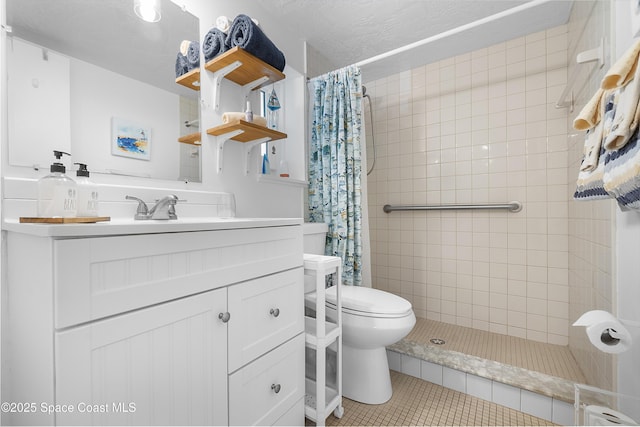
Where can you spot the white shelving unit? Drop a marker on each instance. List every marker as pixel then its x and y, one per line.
pixel 323 396
pixel 251 73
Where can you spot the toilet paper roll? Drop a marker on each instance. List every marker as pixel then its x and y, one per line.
pixel 605 331
pixel 602 416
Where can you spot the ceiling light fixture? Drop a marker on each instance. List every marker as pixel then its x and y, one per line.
pixel 147 10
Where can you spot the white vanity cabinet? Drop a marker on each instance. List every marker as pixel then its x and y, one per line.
pixel 184 328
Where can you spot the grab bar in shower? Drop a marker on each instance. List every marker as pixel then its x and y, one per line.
pixel 511 207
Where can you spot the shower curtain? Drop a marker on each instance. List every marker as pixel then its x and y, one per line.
pixel 335 166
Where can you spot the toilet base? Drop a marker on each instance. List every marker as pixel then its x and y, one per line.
pixel 365 375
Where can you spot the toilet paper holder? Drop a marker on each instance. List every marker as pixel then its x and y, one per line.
pixel 605 331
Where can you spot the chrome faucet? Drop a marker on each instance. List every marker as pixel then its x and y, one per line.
pixel 164 208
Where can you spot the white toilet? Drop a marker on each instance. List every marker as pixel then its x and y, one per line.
pixel 371 320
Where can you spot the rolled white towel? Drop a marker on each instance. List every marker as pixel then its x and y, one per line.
pixel 223 24
pixel 184 47
pixel 232 116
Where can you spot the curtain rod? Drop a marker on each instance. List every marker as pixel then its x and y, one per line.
pixel 453 31
pixel 511 206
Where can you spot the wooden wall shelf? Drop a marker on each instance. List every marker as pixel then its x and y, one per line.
pixel 190 80
pixel 251 131
pixel 252 68
pixel 192 138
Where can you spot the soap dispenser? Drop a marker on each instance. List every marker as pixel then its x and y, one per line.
pixel 57 193
pixel 87 193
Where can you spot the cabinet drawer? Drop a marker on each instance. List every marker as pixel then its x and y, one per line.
pixel 254 395
pixel 102 276
pixel 265 312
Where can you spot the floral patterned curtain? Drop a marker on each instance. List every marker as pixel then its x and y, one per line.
pixel 335 166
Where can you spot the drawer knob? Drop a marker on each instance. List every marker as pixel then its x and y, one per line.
pixel 275 312
pixel 224 316
pixel 275 388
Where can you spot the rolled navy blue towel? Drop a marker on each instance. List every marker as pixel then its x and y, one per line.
pixel 247 35
pixel 193 55
pixel 182 67
pixel 214 44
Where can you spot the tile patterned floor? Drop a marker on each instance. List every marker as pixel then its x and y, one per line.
pixel 548 359
pixel 420 403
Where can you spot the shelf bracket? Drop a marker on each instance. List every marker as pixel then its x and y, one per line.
pixel 217 80
pixel 249 87
pixel 221 140
pixel 249 146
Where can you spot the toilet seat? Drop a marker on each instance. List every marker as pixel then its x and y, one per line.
pixel 368 302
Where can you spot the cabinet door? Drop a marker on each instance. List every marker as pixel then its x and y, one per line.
pixel 161 365
pixel 265 312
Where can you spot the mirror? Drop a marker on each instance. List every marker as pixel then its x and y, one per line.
pixel 80 72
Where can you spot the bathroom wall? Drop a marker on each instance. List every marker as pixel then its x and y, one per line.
pixel 476 128
pixel 591 224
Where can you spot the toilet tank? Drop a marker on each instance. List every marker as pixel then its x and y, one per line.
pixel 315 234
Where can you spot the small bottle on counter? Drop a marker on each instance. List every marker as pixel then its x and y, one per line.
pixel 87 193
pixel 283 169
pixel 57 193
pixel 248 114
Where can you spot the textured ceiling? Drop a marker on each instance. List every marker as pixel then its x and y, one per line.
pixel 345 32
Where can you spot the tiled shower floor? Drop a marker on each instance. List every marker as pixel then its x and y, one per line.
pixel 554 360
pixel 418 402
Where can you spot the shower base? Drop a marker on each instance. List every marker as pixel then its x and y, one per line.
pixel 507 370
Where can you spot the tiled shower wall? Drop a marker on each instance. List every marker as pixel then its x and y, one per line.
pixel 476 128
pixel 591 278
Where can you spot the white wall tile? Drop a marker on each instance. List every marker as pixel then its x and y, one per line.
pixel 395 360
pixel 506 395
pixel 479 387
pixel 410 366
pixel 431 372
pixel 562 413
pixel 477 128
pixel 454 379
pixel 536 404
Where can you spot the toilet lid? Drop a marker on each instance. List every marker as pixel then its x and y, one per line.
pixel 368 300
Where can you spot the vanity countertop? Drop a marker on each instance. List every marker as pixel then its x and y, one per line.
pixel 119 226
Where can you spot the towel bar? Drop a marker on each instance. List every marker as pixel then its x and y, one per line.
pixel 596 54
pixel 511 207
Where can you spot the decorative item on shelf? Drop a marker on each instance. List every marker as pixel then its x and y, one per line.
pixel 250 131
pixel 273 105
pixel 283 170
pixel 266 170
pixel 248 114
